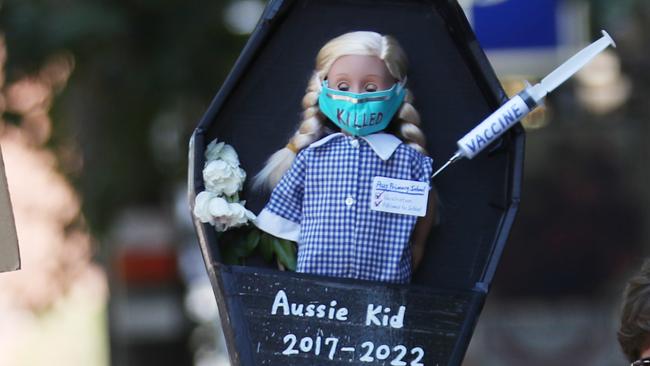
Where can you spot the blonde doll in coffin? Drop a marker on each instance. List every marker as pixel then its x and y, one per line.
pixel 322 179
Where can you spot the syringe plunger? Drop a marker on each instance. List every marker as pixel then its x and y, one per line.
pixel 523 103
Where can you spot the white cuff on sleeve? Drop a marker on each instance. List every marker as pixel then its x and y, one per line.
pixel 277 225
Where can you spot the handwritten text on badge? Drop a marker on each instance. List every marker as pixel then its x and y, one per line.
pixel 406 197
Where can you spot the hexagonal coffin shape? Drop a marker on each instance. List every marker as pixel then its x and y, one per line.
pixel 258 108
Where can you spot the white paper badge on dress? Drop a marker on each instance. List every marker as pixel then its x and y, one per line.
pixel 9 257
pixel 405 197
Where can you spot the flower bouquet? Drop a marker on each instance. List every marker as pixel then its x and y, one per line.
pixel 220 206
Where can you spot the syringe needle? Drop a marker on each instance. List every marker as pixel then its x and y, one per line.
pixel 453 159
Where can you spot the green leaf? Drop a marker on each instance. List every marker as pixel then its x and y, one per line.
pixel 266 247
pixel 286 253
pixel 251 241
pixel 232 199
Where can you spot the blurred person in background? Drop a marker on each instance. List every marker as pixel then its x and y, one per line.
pixel 634 333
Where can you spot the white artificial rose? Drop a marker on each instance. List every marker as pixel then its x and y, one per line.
pixel 220 210
pixel 234 215
pixel 223 178
pixel 235 218
pixel 213 150
pixel 249 214
pixel 219 207
pixel 239 216
pixel 215 210
pixel 229 155
pixel 201 207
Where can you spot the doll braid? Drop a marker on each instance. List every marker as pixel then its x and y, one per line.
pixel 407 121
pixel 408 125
pixel 309 130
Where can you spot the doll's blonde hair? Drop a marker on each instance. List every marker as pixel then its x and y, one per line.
pixel 405 124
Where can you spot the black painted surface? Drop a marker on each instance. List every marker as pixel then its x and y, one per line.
pixel 432 320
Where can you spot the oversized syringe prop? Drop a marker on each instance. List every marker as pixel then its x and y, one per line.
pixel 523 103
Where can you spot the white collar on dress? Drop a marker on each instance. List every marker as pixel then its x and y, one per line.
pixel 383 144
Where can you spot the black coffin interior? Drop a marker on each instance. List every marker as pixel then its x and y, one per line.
pixel 258 108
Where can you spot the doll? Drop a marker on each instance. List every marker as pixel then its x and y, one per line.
pixel 358 124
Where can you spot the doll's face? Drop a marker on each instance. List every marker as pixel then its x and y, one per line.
pixel 359 74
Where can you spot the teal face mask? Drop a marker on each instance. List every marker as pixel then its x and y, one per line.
pixel 361 114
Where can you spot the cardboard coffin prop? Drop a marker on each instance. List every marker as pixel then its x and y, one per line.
pixel 266 313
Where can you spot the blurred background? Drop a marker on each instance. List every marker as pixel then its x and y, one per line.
pixel 97 103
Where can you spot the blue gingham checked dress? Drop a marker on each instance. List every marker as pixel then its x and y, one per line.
pixel 323 203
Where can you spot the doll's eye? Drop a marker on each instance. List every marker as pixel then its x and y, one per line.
pixel 343 86
pixel 371 87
